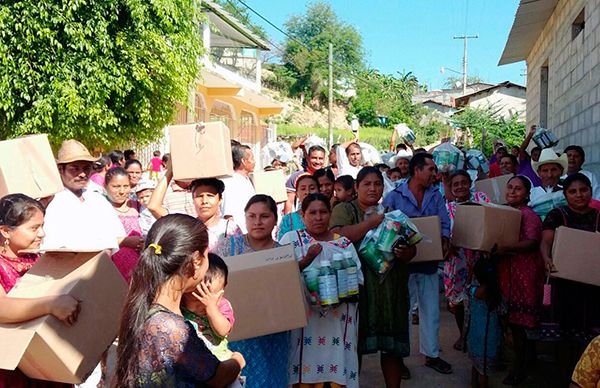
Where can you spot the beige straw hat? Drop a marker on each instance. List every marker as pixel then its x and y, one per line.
pixel 73 151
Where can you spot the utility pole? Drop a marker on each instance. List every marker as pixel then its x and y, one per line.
pixel 465 38
pixel 330 116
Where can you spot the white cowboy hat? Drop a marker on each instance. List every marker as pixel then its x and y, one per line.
pixel 549 156
pixel 402 154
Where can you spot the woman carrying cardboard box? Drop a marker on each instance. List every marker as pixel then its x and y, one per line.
pixel 575 306
pixel 21 228
pixel 521 275
pixel 267 356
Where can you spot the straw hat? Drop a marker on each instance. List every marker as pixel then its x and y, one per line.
pixel 549 156
pixel 402 154
pixel 73 151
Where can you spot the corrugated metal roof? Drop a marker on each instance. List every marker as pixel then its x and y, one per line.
pixel 530 20
pixel 229 31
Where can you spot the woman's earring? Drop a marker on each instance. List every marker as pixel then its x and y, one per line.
pixel 5 246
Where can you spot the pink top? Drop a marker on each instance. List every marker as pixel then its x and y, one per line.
pixel 97 178
pixel 126 259
pixel 156 164
pixel 12 269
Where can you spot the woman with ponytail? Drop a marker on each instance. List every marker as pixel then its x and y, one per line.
pixel 157 347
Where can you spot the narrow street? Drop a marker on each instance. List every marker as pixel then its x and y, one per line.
pixel 422 377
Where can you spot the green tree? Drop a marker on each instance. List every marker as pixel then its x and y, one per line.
pixel 318 27
pixel 452 81
pixel 101 71
pixel 476 122
pixel 385 95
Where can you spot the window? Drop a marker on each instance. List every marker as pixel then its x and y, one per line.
pixel 544 96
pixel 578 24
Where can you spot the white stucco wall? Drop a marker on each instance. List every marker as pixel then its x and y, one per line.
pixel 508 100
pixel 573 81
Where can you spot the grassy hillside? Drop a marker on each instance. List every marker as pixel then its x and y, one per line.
pixel 376 136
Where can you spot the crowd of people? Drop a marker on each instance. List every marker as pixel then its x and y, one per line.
pixel 167 238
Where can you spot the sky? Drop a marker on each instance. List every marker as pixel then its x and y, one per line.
pixel 417 35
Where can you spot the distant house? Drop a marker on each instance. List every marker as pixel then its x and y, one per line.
pixel 447 96
pixel 560 41
pixel 230 84
pixel 445 109
pixel 506 99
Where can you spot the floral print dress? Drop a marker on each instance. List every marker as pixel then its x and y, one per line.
pixel 326 349
pixel 459 266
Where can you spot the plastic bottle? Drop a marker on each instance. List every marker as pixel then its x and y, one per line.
pixel 341 274
pixel 352 276
pixel 311 276
pixel 328 293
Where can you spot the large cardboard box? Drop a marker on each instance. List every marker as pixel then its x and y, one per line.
pixel 201 150
pixel 430 248
pixel 27 166
pixel 45 348
pixel 494 188
pixel 480 226
pixel 270 183
pixel 575 255
pixel 266 293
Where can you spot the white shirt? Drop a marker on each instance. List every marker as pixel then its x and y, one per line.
pixel 595 185
pixel 88 224
pixel 238 190
pixel 344 166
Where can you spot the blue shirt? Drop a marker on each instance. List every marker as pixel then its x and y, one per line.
pixel 433 205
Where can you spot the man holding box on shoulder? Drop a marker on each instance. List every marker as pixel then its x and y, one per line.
pixel 419 198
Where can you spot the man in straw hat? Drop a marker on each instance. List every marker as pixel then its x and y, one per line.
pixel 549 167
pixel 78 217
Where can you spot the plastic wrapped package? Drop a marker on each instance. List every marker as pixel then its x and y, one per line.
pixel 447 157
pixel 405 132
pixel 279 150
pixel 370 155
pixel 476 159
pixel 544 138
pixel 376 248
pixel 314 140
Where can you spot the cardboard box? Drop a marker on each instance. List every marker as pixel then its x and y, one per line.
pixel 575 255
pixel 494 188
pixel 27 166
pixel 266 293
pixel 430 248
pixel 201 150
pixel 45 348
pixel 480 226
pixel 270 183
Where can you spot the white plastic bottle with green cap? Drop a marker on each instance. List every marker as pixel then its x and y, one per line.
pixel 341 274
pixel 328 293
pixel 351 276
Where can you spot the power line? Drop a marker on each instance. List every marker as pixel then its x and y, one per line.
pixel 302 44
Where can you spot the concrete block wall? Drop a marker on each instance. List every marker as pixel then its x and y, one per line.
pixel 574 78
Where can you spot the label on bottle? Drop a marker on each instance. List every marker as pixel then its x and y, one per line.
pixel 352 280
pixel 328 294
pixel 342 282
pixel 312 283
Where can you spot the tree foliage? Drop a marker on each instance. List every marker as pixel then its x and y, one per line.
pixel 101 71
pixel 385 95
pixel 318 27
pixel 475 121
pixel 455 81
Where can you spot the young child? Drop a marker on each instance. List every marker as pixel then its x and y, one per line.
pixel 343 189
pixel 208 311
pixel 155 166
pixel 394 174
pixel 143 192
pixel 484 332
